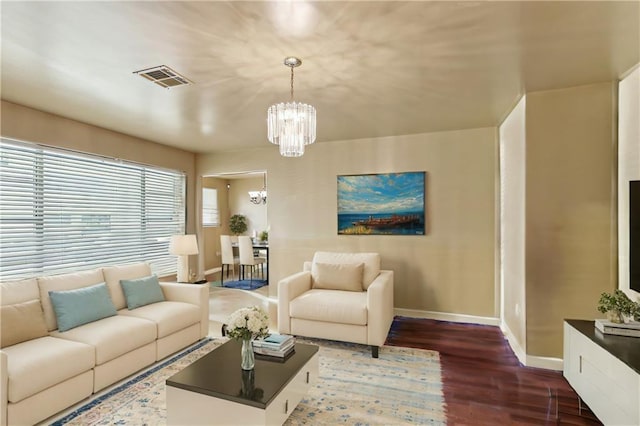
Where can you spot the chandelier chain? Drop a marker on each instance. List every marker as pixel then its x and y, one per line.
pixel 291 84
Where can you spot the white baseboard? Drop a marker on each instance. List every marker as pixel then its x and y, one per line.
pixel 526 360
pixel 548 363
pixel 545 362
pixel 443 316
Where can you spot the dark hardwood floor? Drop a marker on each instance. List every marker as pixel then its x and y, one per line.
pixel 483 381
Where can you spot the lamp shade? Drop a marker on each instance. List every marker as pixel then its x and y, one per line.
pixel 183 245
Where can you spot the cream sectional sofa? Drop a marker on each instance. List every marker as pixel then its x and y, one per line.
pixel 44 375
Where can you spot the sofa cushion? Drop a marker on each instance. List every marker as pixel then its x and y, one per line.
pixel 40 363
pixel 12 292
pixel 81 306
pixel 371 263
pixel 142 291
pixel 112 336
pixel 168 316
pixel 61 283
pixel 337 276
pixel 343 307
pixel 113 275
pixel 21 322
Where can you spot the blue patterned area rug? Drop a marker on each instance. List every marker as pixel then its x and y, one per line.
pixel 244 284
pixel 403 386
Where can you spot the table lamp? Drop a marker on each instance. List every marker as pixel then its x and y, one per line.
pixel 183 246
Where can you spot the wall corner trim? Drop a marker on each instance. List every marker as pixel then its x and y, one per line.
pixel 530 360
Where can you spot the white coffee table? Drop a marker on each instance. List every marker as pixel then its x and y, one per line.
pixel 215 391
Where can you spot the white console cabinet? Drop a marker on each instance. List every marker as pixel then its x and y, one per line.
pixel 605 372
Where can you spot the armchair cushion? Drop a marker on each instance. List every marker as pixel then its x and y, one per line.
pixel 337 276
pixel 342 307
pixel 371 263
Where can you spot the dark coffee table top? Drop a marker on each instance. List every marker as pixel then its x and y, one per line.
pixel 219 374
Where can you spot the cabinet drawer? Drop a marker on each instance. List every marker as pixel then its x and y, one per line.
pixel 611 376
pixel 606 384
pixel 288 399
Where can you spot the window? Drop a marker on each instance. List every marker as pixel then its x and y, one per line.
pixel 210 216
pixel 62 212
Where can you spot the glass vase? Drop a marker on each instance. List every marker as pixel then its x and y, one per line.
pixel 614 316
pixel 246 355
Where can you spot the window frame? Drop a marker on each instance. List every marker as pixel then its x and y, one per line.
pixel 82 211
pixel 215 210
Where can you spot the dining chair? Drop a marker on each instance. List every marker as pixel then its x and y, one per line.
pixel 228 259
pixel 247 258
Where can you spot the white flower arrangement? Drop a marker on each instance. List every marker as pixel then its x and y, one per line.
pixel 248 323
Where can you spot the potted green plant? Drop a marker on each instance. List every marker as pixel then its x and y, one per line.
pixel 618 306
pixel 264 236
pixel 237 224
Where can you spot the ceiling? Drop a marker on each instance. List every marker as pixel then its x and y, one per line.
pixel 371 69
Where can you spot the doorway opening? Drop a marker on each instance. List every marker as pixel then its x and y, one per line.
pixel 226 195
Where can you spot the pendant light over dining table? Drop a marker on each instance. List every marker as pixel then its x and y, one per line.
pixel 292 125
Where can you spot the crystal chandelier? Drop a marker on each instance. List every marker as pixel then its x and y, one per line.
pixel 259 197
pixel 292 125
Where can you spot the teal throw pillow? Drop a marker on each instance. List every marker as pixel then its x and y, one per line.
pixel 81 306
pixel 142 291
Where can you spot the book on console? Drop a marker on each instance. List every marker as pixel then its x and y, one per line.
pixel 620 329
pixel 272 358
pixel 275 341
pixel 274 352
pixel 290 344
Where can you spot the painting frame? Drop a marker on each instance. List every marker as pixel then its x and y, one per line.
pixel 382 203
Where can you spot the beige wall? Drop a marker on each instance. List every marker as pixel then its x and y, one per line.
pixel 239 203
pixel 451 269
pixel 512 222
pixel 570 209
pixel 628 167
pixel 30 125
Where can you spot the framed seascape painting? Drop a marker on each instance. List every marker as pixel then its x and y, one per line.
pixel 388 203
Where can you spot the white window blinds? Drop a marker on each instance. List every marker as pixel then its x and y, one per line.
pixel 63 212
pixel 210 216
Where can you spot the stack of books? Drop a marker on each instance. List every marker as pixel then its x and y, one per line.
pixel 275 345
pixel 623 329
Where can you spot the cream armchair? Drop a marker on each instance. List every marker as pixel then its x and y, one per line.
pixel 338 296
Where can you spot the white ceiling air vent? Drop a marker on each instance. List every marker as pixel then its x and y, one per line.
pixel 164 76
